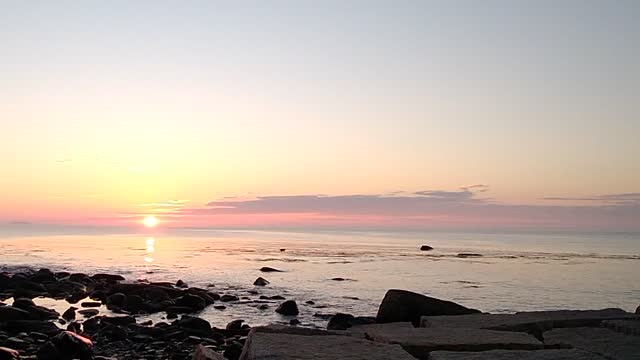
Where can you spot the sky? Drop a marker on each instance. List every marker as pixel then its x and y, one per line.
pixel 401 114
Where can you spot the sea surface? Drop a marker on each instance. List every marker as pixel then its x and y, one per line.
pixel 514 272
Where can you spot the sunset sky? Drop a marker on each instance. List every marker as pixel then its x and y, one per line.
pixel 356 114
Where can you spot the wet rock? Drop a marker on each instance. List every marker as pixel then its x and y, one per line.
pixel 235 325
pixel 89 312
pixel 261 282
pixel 219 307
pixel 65 287
pixel 28 326
pixel 204 353
pixel 91 304
pixel 90 326
pixel 179 310
pixel 342 321
pixel 75 298
pixel 228 298
pixel 41 313
pixel 263 307
pixel 338 279
pixel 23 303
pixel 468 255
pixel 283 250
pixel 107 277
pixel 425 248
pixel 72 346
pixel 81 278
pixel 9 313
pixel 119 320
pixel 116 300
pixel 133 303
pixel 181 284
pixel 310 302
pixel 288 308
pixel 402 305
pixel 294 322
pixel 8 354
pixel 270 269
pixel 194 302
pixel 74 327
pixel 70 314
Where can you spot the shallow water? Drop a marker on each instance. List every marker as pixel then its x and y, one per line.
pixel 514 273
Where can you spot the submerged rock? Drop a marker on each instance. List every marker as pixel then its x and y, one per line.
pixel 468 255
pixel 425 248
pixel 261 282
pixel 288 308
pixel 402 305
pixel 269 269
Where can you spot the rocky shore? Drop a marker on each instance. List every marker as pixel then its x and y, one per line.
pixel 102 320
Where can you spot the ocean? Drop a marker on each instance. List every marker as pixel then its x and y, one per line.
pixel 508 273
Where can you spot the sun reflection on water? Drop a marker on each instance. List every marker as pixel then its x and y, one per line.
pixel 151 248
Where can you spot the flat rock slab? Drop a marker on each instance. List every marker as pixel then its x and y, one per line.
pixel 601 341
pixel 361 330
pixel 281 346
pixel 570 354
pixel 419 342
pixel 629 327
pixel 532 322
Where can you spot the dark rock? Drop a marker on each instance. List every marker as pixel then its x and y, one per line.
pixel 233 351
pixel 70 314
pixel 89 312
pixel 310 302
pixel 116 300
pixel 119 320
pixel 219 307
pixel 194 302
pixel 133 303
pixel 204 294
pixel 18 326
pixel 294 322
pixel 15 343
pixel 72 346
pixel 263 307
pixel 62 274
pixel 468 255
pixel 338 279
pixel 205 353
pixel 81 278
pixel 425 248
pixel 65 287
pixel 270 269
pixel 179 310
pixel 283 250
pixel 107 277
pixel 181 284
pixel 228 298
pixel 41 313
pixel 235 325
pixel 193 325
pixel 402 306
pixel 74 327
pixel 48 351
pixel 91 304
pixel 23 303
pixel 76 297
pixel 9 313
pixel 288 308
pixel 90 326
pixel 340 321
pixel 261 282
pixel 638 310
pixel 8 354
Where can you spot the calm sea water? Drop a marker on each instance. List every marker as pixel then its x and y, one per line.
pixel 514 273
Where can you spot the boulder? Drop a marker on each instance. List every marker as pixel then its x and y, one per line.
pixel 550 354
pixel 425 248
pixel 23 303
pixel 261 282
pixel 116 300
pixel 204 353
pixel 269 269
pixel 193 325
pixel 8 354
pixel 288 308
pixel 601 341
pixel 419 342
pixel 70 314
pixel 228 298
pixel 261 345
pixel 194 302
pixel 341 321
pixel 235 325
pixel 402 305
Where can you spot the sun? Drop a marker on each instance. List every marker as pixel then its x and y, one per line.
pixel 150 221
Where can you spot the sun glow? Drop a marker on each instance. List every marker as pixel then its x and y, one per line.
pixel 150 221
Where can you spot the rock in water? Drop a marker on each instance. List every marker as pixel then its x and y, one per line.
pixel 270 269
pixel 289 308
pixel 340 321
pixel 191 301
pixel 402 305
pixel 261 282
pixel 204 353
pixel 425 248
pixel 70 314
pixel 8 354
pixel 235 325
